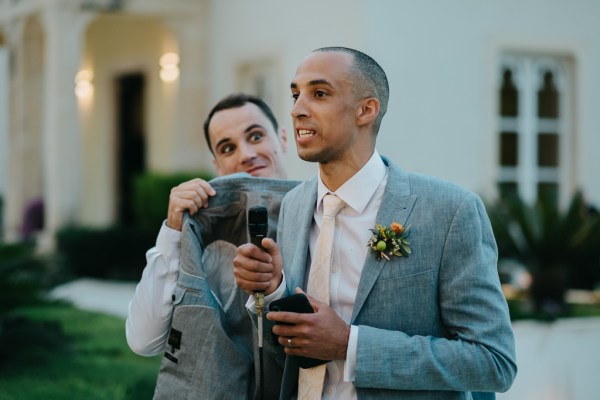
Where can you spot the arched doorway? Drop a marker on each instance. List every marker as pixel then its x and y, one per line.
pixel 130 114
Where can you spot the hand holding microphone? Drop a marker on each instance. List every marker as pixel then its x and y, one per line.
pixel 269 258
pixel 256 268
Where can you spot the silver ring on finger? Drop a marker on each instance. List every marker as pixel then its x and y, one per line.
pixel 290 344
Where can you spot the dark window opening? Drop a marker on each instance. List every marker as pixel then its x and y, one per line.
pixel 508 190
pixel 548 98
pixel 131 140
pixel 509 96
pixel 509 149
pixel 547 150
pixel 547 192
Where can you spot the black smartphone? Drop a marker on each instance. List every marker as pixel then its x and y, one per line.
pixel 297 303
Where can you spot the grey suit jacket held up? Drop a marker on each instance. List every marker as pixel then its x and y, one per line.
pixel 434 325
pixel 211 349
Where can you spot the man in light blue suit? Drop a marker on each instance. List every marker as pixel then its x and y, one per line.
pixel 432 324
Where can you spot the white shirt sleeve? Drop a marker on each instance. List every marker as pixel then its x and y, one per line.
pixel 151 308
pixel 350 366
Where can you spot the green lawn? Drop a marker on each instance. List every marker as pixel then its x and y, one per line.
pixel 59 352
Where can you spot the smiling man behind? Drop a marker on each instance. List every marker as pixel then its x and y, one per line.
pixel 243 136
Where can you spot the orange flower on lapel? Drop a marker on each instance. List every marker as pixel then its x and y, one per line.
pixel 393 241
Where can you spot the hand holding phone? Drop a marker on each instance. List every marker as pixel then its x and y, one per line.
pixel 297 303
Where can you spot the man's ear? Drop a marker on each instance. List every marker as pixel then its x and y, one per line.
pixel 283 139
pixel 368 111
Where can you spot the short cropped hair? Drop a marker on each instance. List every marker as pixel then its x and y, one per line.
pixel 237 100
pixel 369 78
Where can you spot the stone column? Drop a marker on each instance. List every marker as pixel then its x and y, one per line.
pixel 14 196
pixel 189 149
pixel 65 34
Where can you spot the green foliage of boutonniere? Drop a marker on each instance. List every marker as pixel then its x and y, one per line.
pixel 393 241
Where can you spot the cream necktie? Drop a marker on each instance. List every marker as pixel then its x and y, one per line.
pixel 310 381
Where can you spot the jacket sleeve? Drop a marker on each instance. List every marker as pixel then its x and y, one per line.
pixel 477 351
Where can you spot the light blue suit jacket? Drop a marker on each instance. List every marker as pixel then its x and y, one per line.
pixel 434 325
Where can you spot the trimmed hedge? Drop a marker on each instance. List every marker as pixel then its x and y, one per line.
pixel 118 252
pixel 151 196
pixel 109 253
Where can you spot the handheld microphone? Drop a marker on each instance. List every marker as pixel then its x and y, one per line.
pixel 258 228
pixel 258 224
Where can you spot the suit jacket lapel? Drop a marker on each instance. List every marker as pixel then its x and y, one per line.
pixel 300 234
pixel 396 205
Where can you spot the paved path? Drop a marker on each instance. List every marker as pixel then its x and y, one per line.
pixel 110 297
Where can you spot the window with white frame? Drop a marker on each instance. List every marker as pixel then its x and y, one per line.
pixel 534 127
pixel 258 78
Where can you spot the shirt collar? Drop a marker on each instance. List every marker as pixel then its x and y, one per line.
pixel 358 190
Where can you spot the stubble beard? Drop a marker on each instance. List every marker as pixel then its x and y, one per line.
pixel 322 156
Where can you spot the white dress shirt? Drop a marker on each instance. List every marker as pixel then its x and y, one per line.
pixel 362 193
pixel 151 308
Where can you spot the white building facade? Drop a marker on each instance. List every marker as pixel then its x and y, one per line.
pixel 498 94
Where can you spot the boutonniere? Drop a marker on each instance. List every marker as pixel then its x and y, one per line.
pixel 392 241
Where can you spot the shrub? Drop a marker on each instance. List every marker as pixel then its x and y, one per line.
pixel 119 252
pixel 555 246
pixel 151 196
pixel 21 276
pixel 109 253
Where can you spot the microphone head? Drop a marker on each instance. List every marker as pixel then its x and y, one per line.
pixel 258 220
pixel 258 215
